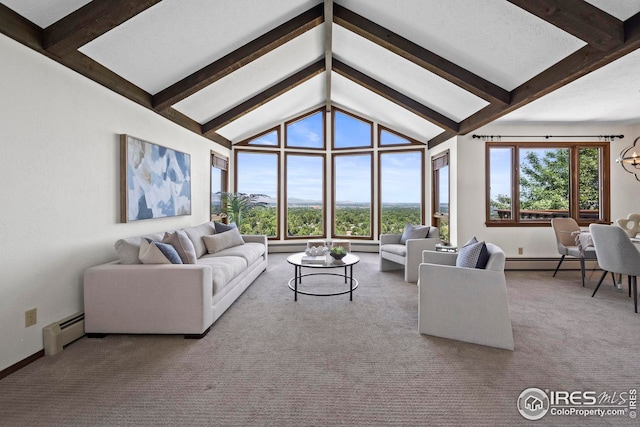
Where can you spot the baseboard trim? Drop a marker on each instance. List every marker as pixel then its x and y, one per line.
pixel 21 364
pixel 520 263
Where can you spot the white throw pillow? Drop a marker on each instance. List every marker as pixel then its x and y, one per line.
pixel 152 252
pixel 228 239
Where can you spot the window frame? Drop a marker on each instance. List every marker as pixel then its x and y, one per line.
pixel 439 161
pixel 278 181
pixel 300 118
pixel 323 157
pixel 410 141
pixel 574 182
pixel 247 142
pixel 405 149
pixel 333 194
pixel 353 116
pixel 219 162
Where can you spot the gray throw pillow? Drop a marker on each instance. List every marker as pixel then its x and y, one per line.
pixel 473 255
pixel 217 242
pixel 182 244
pixel 221 227
pixel 414 232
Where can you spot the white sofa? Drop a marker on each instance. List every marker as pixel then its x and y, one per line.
pixel 126 296
pixel 465 304
pixel 395 255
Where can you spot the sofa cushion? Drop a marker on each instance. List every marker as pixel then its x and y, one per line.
pixel 394 248
pixel 154 252
pixel 473 255
pixel 221 228
pixel 414 232
pixel 250 251
pixel 218 242
pixel 225 269
pixel 182 244
pixel 128 249
pixel 195 234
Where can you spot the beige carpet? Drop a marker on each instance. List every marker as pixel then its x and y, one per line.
pixel 327 361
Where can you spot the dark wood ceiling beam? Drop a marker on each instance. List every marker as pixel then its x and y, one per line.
pixel 580 19
pixel 264 97
pixel 90 22
pixel 239 58
pixel 439 139
pixel 571 68
pixel 29 34
pixel 420 56
pixel 394 96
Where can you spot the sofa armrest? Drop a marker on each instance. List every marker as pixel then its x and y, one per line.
pixel 414 256
pixel 441 258
pixel 255 238
pixel 386 239
pixel 160 298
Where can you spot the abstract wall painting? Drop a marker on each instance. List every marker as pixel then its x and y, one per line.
pixel 155 181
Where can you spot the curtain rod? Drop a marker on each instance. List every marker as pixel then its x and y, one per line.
pixel 499 137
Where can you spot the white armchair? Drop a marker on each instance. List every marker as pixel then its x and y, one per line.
pixel 395 255
pixel 465 304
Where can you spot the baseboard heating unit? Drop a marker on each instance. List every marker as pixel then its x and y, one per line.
pixel 61 333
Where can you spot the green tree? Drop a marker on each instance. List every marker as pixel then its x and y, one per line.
pixel 544 180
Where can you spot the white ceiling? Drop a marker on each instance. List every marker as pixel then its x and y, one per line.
pixel 493 39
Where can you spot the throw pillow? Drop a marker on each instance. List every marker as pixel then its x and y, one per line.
pixel 217 242
pixel 153 252
pixel 221 227
pixel 473 255
pixel 414 232
pixel 182 244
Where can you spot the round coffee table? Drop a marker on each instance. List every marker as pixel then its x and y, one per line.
pixel 323 265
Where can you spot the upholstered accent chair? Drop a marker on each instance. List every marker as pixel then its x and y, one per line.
pixel 616 254
pixel 464 304
pixel 566 242
pixel 399 252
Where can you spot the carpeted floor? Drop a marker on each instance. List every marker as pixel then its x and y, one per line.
pixel 327 361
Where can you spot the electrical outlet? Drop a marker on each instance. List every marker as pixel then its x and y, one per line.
pixel 30 317
pixel 520 251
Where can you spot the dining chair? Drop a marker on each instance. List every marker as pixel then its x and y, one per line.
pixel 617 254
pixel 566 241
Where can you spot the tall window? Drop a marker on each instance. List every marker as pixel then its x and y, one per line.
pixel 352 183
pixel 530 183
pixel 401 190
pixel 257 173
pixel 305 195
pixel 440 194
pixel 219 167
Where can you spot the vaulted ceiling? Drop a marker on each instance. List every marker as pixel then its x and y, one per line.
pixel 431 69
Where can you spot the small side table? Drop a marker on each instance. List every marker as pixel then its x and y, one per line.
pixel 441 247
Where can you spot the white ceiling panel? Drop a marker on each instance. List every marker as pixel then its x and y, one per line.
pixel 174 38
pixel 299 99
pixel 357 99
pixel 44 12
pixel 255 77
pixel 610 94
pixel 621 9
pixel 404 76
pixel 491 38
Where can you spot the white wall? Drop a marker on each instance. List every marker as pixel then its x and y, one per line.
pixel 60 187
pixel 536 241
